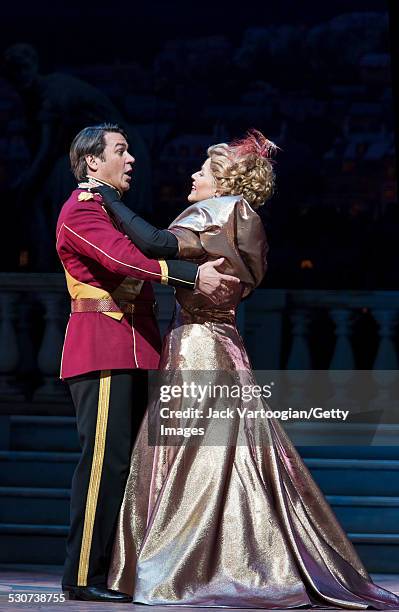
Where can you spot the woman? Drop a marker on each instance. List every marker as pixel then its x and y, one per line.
pixel 239 523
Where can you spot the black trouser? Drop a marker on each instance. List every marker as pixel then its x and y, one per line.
pixel 109 408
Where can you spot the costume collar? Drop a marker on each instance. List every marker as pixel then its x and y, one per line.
pixel 92 183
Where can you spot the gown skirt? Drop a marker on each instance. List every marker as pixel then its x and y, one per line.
pixel 238 524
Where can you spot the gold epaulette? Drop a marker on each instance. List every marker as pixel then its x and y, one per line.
pixel 90 184
pixel 84 196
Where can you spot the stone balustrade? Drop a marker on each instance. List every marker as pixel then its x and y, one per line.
pixel 282 329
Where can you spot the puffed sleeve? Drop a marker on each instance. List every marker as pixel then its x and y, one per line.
pixel 251 242
pixel 189 243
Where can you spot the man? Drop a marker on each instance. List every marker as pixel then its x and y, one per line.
pixel 111 340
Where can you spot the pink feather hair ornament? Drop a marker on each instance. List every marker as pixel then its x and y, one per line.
pixel 254 143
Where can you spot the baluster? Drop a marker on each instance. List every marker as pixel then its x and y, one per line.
pixel 262 328
pixel 299 360
pixel 27 360
pixel 342 363
pixel 386 358
pixel 49 357
pixel 343 358
pixel 296 374
pixel 9 353
pixel 385 370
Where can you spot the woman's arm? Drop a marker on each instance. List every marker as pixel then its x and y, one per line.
pixel 189 244
pixel 151 241
pixel 252 243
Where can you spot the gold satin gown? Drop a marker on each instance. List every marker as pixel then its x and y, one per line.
pixel 241 525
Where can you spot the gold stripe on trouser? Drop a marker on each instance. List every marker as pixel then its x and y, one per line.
pixel 95 475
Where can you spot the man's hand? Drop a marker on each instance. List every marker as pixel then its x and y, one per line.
pixel 216 286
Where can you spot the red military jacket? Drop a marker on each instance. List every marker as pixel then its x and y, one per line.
pixel 100 263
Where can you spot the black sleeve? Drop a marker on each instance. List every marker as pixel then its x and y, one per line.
pixel 150 240
pixel 181 273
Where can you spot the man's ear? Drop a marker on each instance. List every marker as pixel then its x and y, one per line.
pixel 92 162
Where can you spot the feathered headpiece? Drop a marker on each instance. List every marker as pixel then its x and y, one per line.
pixel 254 143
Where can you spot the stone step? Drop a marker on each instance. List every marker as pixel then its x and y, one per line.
pixel 379 552
pixel 41 506
pixel 334 476
pixel 358 514
pixel 58 433
pixel 32 544
pixel 43 433
pixel 37 469
pixel 39 544
pixel 50 506
pixel 61 406
pixel 378 477
pixel 389 451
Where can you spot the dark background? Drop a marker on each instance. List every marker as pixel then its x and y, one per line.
pixel 314 77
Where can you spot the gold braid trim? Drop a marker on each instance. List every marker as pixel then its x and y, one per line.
pixel 95 476
pixel 164 271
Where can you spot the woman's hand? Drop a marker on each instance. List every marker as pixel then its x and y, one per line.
pixel 108 194
pixel 151 241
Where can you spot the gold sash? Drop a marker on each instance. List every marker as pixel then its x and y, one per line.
pixel 128 290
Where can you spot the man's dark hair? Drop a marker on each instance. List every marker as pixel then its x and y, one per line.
pixel 90 141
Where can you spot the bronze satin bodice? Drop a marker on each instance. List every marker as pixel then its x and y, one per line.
pixel 221 227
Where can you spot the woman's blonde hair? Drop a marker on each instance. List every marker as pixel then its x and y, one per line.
pixel 244 167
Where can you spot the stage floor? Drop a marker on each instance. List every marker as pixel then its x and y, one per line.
pixel 33 586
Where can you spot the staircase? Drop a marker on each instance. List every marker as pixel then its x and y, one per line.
pixel 362 486
pixel 39 454
pixel 35 479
